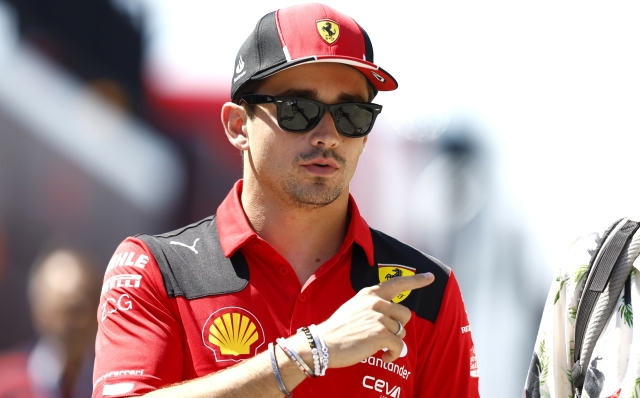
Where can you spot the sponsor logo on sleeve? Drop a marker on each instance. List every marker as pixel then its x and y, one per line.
pixel 466 329
pixel 381 386
pixel 233 334
pixel 111 305
pixel 123 259
pixel 124 280
pixel 474 363
pixel 389 271
pixel 119 373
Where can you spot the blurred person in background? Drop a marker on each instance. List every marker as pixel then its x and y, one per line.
pixel 286 249
pixel 63 292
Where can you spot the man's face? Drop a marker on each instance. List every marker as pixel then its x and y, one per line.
pixel 309 169
pixel 64 299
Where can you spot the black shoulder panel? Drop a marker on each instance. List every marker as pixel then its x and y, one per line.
pixel 192 263
pixel 425 302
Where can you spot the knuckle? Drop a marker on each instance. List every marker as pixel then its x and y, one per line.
pixel 401 313
pixel 405 314
pixel 378 305
pixel 365 291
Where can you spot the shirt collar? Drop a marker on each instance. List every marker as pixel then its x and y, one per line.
pixel 234 229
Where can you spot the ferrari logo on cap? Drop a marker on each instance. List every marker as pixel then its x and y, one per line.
pixel 329 30
pixel 389 271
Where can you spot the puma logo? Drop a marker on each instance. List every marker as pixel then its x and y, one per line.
pixel 192 247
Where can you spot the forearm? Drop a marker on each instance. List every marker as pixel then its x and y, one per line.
pixel 251 378
pixel 362 326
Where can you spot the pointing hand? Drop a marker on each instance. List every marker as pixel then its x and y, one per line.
pixel 369 322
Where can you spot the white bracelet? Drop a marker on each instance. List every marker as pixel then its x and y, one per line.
pixel 314 344
pixel 323 350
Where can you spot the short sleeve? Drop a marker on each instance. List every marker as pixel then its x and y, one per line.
pixel 449 367
pixel 138 344
pixel 551 363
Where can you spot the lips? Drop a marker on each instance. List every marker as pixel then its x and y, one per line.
pixel 321 166
pixel 321 162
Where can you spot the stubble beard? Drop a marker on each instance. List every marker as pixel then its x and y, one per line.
pixel 321 191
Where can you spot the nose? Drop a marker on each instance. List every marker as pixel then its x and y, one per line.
pixel 325 133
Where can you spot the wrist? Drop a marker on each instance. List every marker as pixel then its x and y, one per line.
pixel 304 351
pixel 299 343
pixel 289 371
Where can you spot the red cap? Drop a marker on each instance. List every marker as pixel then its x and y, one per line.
pixel 303 34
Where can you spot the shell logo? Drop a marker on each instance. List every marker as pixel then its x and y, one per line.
pixel 233 334
pixel 233 337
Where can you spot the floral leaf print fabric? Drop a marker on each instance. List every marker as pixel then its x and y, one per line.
pixel 614 369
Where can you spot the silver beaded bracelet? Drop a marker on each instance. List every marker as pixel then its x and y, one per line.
pixel 323 350
pixel 276 371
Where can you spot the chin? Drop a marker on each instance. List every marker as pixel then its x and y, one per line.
pixel 318 194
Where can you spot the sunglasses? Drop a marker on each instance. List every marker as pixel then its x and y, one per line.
pixel 299 115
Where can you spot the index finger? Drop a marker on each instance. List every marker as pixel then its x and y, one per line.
pixel 394 286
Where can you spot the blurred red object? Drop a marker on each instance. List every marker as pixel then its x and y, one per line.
pixel 191 115
pixel 14 378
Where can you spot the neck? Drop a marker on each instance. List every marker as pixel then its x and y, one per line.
pixel 306 237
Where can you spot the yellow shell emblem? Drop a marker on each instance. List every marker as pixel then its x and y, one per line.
pixel 389 271
pixel 233 333
pixel 329 30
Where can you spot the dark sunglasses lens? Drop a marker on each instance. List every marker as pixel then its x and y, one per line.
pixel 299 114
pixel 354 119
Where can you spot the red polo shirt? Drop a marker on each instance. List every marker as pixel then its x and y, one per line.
pixel 147 340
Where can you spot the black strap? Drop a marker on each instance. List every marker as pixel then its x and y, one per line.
pixel 599 274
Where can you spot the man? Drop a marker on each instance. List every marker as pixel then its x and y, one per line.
pixel 63 291
pixel 287 249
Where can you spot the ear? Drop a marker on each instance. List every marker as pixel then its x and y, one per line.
pixel 364 143
pixel 234 118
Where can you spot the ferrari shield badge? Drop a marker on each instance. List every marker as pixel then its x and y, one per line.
pixel 329 30
pixel 389 271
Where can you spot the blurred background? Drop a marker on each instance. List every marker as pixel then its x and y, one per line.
pixel 514 130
